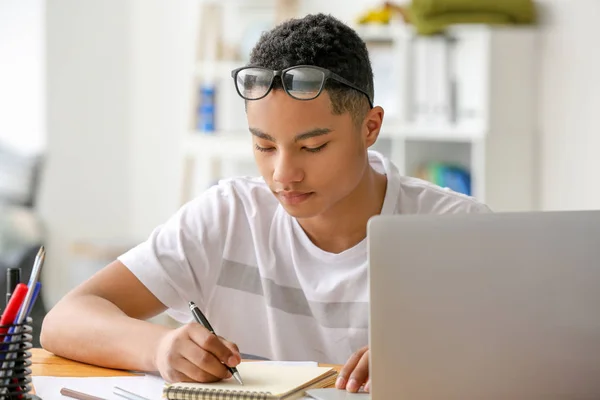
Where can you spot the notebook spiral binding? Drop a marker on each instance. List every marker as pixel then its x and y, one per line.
pixel 186 393
pixel 15 361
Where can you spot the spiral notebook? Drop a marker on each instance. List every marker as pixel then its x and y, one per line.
pixel 261 382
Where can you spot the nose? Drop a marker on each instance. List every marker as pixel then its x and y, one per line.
pixel 287 169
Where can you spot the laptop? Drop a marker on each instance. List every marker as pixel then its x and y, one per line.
pixel 485 306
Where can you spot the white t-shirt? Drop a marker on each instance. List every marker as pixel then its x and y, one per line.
pixel 259 279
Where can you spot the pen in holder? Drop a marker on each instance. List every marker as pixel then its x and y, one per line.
pixel 15 361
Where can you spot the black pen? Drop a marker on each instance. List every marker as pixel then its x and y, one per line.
pixel 201 319
pixel 13 278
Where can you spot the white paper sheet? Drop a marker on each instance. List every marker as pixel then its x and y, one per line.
pixel 291 363
pixel 48 387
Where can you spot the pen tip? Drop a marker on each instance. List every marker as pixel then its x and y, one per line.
pixel 191 304
pixel 238 378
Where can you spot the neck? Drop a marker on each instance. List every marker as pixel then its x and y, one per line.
pixel 345 224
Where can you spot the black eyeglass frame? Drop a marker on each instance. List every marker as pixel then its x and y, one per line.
pixel 327 74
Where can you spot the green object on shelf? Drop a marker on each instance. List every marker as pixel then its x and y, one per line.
pixel 433 16
pixel 438 24
pixel 435 173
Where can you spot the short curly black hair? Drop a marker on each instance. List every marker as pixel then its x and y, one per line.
pixel 323 41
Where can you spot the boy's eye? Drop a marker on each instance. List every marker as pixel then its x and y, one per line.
pixel 315 149
pixel 309 149
pixel 264 149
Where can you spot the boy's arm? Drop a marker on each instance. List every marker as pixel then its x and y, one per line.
pixel 101 322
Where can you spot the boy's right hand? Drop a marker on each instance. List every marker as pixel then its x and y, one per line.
pixel 191 353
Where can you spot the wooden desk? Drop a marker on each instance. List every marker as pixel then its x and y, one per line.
pixel 47 364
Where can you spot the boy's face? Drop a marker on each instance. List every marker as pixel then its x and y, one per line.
pixel 310 158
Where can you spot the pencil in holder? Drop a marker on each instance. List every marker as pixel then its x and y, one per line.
pixel 15 361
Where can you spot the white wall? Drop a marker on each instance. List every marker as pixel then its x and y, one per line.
pixel 86 182
pixel 570 104
pixel 118 104
pixel 22 75
pixel 162 65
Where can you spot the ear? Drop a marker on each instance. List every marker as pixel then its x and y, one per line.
pixel 372 125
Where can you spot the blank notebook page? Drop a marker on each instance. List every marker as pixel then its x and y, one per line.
pixel 275 379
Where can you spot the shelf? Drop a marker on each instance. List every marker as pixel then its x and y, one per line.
pixel 217 68
pixel 381 32
pixel 438 134
pixel 223 145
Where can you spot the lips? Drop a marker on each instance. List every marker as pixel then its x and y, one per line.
pixel 294 198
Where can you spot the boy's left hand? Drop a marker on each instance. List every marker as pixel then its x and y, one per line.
pixel 355 372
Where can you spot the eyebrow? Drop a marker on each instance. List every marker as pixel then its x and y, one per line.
pixel 302 136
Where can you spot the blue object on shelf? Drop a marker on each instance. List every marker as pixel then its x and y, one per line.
pixel 456 179
pixel 451 176
pixel 206 109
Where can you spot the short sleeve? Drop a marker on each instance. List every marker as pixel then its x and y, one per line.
pixel 181 259
pixel 478 208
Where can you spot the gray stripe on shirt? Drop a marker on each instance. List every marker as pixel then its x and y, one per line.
pixel 247 278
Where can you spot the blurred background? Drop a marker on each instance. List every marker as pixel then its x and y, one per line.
pixel 113 113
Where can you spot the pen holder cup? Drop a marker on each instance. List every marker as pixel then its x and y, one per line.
pixel 15 358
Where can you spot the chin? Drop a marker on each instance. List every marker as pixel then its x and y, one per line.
pixel 302 211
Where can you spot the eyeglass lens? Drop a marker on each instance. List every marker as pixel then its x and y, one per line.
pixel 301 83
pixel 253 83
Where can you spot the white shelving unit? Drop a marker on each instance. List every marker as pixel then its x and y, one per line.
pixel 465 98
